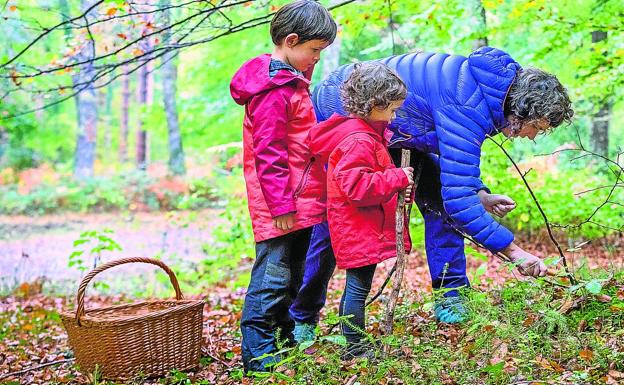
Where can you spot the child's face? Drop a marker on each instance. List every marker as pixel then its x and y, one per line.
pixel 385 114
pixel 303 56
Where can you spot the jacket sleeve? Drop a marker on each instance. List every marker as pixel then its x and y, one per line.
pixel 357 180
pixel 461 132
pixel 269 114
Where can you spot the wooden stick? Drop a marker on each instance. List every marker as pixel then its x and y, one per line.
pixel 400 264
pixel 24 371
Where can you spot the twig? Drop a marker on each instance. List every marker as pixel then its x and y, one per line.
pixel 23 371
pixel 383 286
pixel 206 353
pixel 539 207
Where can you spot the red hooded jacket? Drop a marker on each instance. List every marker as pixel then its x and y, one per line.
pixel 280 173
pixel 362 187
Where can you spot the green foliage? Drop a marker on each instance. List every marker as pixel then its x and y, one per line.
pixel 515 332
pixel 556 186
pixel 130 191
pixel 231 243
pixel 93 243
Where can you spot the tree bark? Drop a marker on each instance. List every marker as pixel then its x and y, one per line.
pixel 145 99
pixel 123 122
pixel 600 121
pixel 86 108
pixel 479 12
pixel 170 76
pixel 331 55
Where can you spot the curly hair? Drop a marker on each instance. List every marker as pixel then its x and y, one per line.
pixel 536 94
pixel 371 85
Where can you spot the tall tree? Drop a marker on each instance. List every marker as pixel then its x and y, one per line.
pixel 481 39
pixel 600 121
pixel 170 78
pixel 86 100
pixel 123 122
pixel 331 55
pixel 145 86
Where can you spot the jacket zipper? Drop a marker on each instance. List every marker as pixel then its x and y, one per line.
pixel 304 177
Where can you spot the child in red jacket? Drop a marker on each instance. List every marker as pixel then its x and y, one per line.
pixel 284 187
pixel 362 187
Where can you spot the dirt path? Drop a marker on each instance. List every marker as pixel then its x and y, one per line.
pixel 40 247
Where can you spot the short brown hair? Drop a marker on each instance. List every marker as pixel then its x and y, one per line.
pixel 371 85
pixel 307 18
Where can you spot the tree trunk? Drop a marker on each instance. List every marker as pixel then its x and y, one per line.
pixel 141 143
pixel 108 106
pixel 331 57
pixel 600 121
pixel 145 98
pixel 123 122
pixel 86 108
pixel 479 13
pixel 170 76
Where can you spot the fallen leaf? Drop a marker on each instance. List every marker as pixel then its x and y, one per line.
pixel 586 354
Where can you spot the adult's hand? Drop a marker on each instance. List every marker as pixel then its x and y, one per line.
pixel 496 204
pixel 527 263
pixel 284 222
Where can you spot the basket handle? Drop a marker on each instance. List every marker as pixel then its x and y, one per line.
pixel 85 281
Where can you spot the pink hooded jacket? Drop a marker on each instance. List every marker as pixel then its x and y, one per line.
pixel 281 174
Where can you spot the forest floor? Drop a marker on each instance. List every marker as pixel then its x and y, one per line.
pixel 32 334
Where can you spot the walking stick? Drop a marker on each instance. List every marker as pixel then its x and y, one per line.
pixel 400 263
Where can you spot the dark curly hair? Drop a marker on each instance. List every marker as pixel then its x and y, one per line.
pixel 536 94
pixel 371 85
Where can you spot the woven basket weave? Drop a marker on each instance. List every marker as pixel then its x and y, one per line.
pixel 147 338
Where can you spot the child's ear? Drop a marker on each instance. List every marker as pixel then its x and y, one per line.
pixel 291 40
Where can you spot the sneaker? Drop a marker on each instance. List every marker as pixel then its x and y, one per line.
pixel 304 332
pixel 450 310
pixel 359 351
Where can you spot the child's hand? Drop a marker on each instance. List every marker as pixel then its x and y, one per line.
pixel 408 194
pixel 284 222
pixel 409 172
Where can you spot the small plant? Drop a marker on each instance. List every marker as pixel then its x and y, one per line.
pixel 91 244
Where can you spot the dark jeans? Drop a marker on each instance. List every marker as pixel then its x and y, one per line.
pixel 352 304
pixel 319 267
pixel 275 279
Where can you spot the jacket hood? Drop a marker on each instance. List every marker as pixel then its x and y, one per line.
pixel 326 136
pixel 253 78
pixel 495 71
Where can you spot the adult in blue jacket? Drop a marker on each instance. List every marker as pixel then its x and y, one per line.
pixel 453 104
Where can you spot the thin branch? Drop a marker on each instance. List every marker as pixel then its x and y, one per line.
pixel 539 207
pixel 24 371
pixel 46 32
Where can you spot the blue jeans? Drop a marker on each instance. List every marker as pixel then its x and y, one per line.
pixel 319 267
pixel 275 279
pixel 353 302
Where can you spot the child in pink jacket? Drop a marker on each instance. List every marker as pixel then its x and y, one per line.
pixel 284 182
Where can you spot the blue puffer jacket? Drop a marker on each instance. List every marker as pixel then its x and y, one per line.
pixel 453 102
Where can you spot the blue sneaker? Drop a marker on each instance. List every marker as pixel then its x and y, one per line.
pixel 450 310
pixel 304 332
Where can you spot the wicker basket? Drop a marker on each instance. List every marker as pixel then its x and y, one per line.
pixel 141 339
